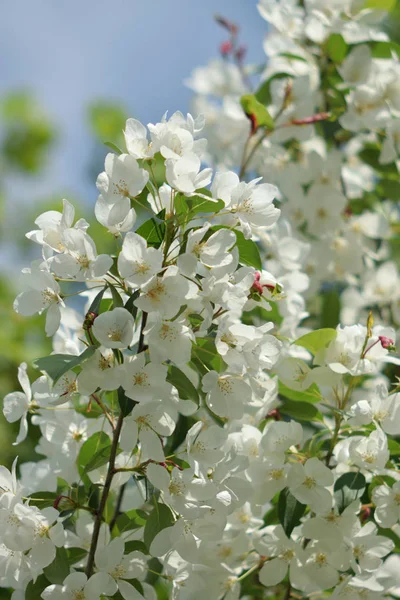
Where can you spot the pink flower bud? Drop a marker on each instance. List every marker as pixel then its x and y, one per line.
pixel 226 48
pixel 365 513
pixel 257 287
pixel 274 414
pixel 386 342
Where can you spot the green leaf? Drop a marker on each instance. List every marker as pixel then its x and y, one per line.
pixel 312 394
pixel 316 340
pixel 34 590
pixel 129 305
pixel 133 519
pixel 99 459
pixel 116 296
pixel 126 404
pixel 252 106
pixel 385 49
pixel 348 488
pixel 95 306
pixel 248 252
pixel 42 499
pixel 160 518
pixel 389 533
pixel 387 5
pixel 93 453
pixel 389 188
pixel 263 94
pixel 336 48
pixel 370 155
pixel 290 511
pixel 330 312
pixel 205 353
pixel 113 147
pixel 185 387
pixel 196 204
pixel 195 321
pixel 292 57
pixel 394 447
pixel 377 481
pixel 134 545
pixel 304 411
pixel 153 232
pixel 56 365
pixel 75 555
pixel 58 570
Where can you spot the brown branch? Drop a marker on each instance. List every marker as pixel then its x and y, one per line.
pixel 104 497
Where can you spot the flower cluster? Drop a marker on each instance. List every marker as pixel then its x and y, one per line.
pixel 206 426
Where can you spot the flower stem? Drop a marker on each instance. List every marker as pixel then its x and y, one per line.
pixel 103 408
pixel 104 497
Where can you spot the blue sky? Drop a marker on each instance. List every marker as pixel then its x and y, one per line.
pixel 135 52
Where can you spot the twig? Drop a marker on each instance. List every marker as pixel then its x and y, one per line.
pixel 118 506
pixel 123 487
pixel 103 408
pixel 104 497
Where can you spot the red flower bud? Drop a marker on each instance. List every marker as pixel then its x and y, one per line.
pixel 365 513
pixel 257 287
pixel 386 342
pixel 226 48
pixel 274 414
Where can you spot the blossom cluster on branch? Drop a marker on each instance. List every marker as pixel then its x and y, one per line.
pixel 207 427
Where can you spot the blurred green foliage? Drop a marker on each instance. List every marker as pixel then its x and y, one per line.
pixel 26 142
pixel 28 136
pixel 107 121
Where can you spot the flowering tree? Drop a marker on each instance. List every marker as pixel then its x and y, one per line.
pixel 206 429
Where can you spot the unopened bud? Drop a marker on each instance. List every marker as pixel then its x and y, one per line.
pixel 370 324
pixel 226 48
pixel 365 513
pixel 226 24
pixel 257 287
pixel 387 343
pixel 274 414
pixel 348 211
pixel 89 320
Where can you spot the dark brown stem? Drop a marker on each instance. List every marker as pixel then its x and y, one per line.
pixel 117 509
pixel 104 497
pixel 141 337
pixel 117 506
